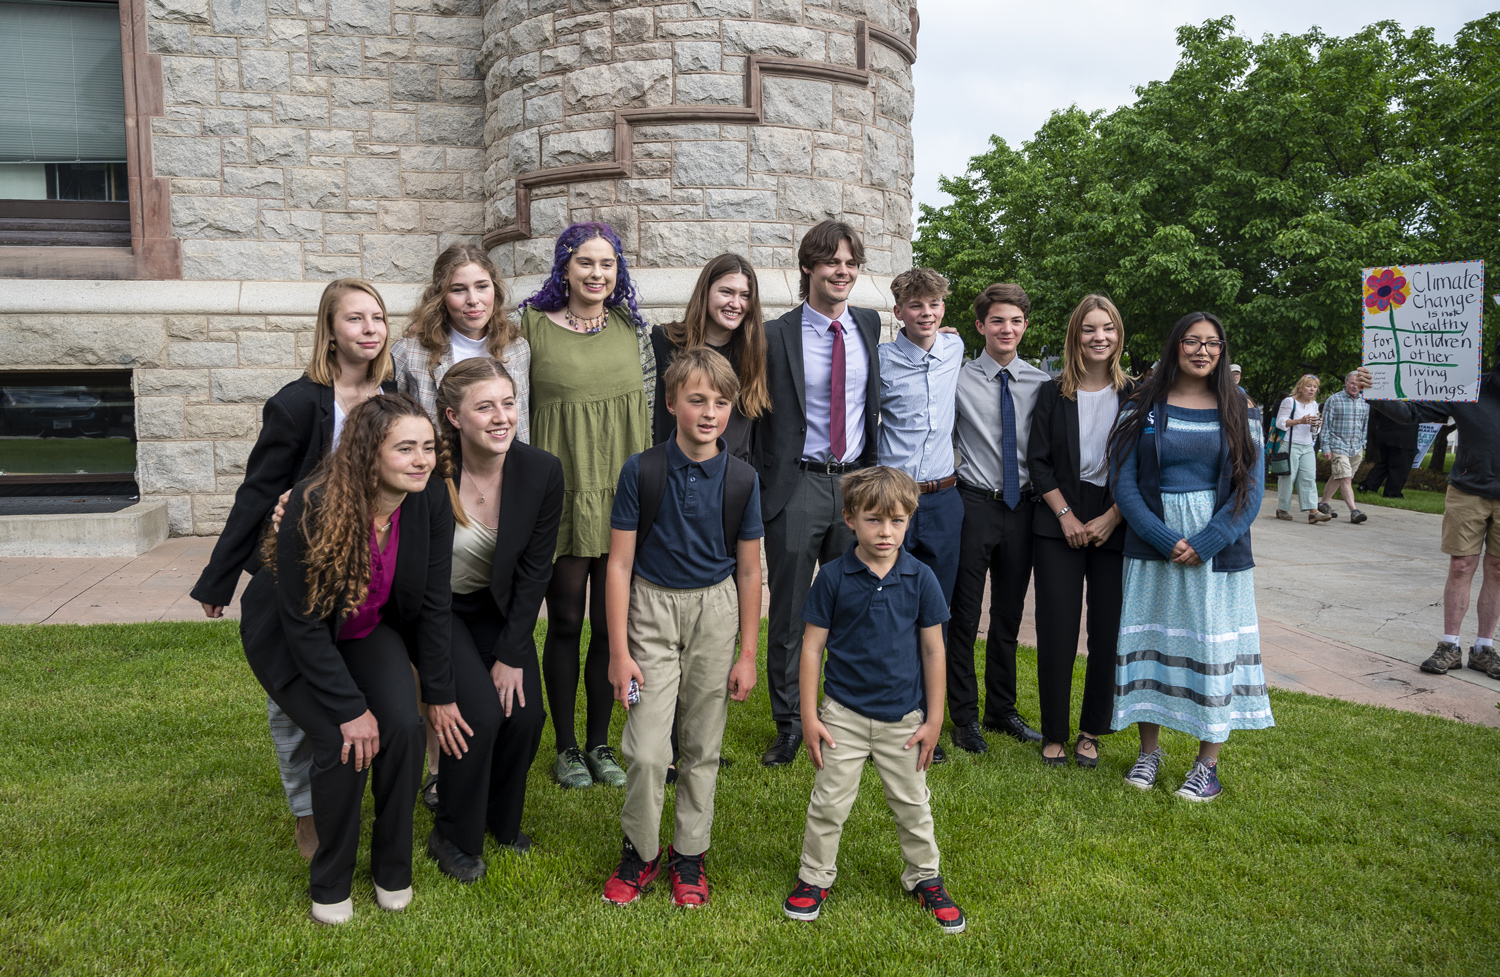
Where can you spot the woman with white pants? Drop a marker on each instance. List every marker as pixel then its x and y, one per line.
pixel 1298 417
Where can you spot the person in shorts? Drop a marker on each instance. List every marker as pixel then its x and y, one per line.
pixel 1346 419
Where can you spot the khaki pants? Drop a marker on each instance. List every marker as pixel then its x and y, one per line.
pixel 683 642
pixel 837 784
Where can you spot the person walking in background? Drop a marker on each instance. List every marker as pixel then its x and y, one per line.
pixel 593 376
pixel 1079 533
pixel 1395 447
pixel 1189 479
pixel 1346 417
pixel 300 424
pixel 1298 418
pixel 823 373
pixel 996 393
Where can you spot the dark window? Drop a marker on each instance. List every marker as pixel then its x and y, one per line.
pixel 66 431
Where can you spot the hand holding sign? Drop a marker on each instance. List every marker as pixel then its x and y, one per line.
pixel 1423 331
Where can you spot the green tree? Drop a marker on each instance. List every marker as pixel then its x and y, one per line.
pixel 1254 183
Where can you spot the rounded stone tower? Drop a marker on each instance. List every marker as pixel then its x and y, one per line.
pixel 696 127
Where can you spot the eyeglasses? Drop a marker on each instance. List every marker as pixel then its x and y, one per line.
pixel 1211 346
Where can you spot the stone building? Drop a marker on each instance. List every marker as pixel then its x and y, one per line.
pixel 271 145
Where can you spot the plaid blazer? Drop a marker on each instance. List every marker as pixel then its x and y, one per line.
pixel 412 377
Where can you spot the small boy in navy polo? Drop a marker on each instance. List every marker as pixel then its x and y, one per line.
pixel 675 604
pixel 879 612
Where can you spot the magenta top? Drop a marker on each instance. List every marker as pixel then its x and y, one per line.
pixel 382 573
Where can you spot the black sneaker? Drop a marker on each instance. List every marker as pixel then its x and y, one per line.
pixel 935 899
pixel 969 738
pixel 1324 508
pixel 805 902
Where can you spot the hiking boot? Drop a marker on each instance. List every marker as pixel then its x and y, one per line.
pixel 1448 655
pixel 1325 510
pixel 689 880
pixel 604 767
pixel 1142 776
pixel 1202 783
pixel 1357 517
pixel 570 772
pixel 632 877
pixel 1283 514
pixel 805 902
pixel 1483 659
pixel 935 899
pixel 1494 670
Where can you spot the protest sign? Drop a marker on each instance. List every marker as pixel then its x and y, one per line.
pixel 1426 434
pixel 1423 330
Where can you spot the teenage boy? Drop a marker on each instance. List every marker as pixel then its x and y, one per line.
pixel 823 374
pixel 996 392
pixel 683 578
pixel 879 613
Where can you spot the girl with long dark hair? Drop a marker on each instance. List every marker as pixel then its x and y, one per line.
pixel 354 591
pixel 1189 480
pixel 593 376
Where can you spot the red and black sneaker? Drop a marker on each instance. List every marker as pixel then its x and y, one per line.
pixel 633 876
pixel 935 899
pixel 805 902
pixel 689 881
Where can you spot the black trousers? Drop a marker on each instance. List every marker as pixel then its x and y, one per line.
pixel 1392 467
pixel 996 543
pixel 1060 575
pixel 381 668
pixel 486 787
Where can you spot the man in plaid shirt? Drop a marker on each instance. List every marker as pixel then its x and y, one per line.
pixel 1346 417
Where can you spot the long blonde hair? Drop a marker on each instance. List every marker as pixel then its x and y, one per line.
pixel 748 341
pixel 450 395
pixel 1073 365
pixel 429 320
pixel 323 365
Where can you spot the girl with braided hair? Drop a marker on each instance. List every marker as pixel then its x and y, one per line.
pixel 354 591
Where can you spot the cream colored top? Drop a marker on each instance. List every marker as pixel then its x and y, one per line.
pixel 473 556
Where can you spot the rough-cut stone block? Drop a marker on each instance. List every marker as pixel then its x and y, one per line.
pixel 174 467
pixel 422 158
pixel 433 186
pixel 784 40
pixel 549 217
pixel 272 261
pixel 189 81
pixel 837 165
pixel 633 25
pixel 303 110
pixel 563 57
pixel 168 38
pixel 158 418
pixel 612 86
pixel 587 146
pixel 887 159
pixel 208 217
pixel 403 215
pixel 276 147
pixel 316 189
pixel 220 422
pixel 778 150
pixel 224 122
pixel 335 55
pixel 393 127
pixel 243 17
pixel 806 201
pixel 697 55
pixel 186 11
pixel 798 102
pixel 690 244
pixel 709 164
pixel 446 31
pixel 192 385
pixel 185 156
pixel 320 266
pixel 187 327
pixel 248 386
pixel 525 151
pixel 710 90
pixel 864 200
pixel 266 349
pixel 202 354
pixel 531 35
pixel 291 225
pixel 740 204
pixel 451 125
pixel 855 104
pixel 399 257
pixel 229 459
pixel 453 218
pixel 361 93
pixel 789 11
pixel 414 82
pixel 778 235
pixel 359 16
pixel 265 71
pixel 374 178
pixel 721 8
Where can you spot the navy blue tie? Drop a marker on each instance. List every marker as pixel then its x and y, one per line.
pixel 1012 487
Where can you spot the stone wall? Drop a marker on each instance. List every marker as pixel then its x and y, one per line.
pixel 312 139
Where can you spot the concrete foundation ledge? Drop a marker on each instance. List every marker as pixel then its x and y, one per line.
pixel 127 533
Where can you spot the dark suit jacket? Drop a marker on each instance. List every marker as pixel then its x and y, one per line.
pixel 1052 458
pixel 531 498
pixel 296 431
pixel 781 432
pixel 283 641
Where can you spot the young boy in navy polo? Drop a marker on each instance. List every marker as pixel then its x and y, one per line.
pixel 683 580
pixel 879 613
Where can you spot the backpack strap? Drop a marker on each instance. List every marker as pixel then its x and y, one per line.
pixel 739 482
pixel 651 487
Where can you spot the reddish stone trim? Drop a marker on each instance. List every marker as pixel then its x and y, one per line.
pixel 153 253
pixel 751 113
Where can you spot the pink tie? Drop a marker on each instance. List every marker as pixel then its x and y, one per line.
pixel 837 440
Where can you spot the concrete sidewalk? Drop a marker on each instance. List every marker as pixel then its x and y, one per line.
pixel 1346 611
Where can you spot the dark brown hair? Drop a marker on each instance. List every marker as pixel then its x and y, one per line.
pixel 748 341
pixel 821 243
pixel 1001 293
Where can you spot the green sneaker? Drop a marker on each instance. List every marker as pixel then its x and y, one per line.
pixel 570 772
pixel 605 768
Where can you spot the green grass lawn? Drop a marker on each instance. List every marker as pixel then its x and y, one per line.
pixel 32 456
pixel 145 832
pixel 1418 500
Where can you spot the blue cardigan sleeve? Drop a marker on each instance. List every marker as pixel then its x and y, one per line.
pixel 1227 525
pixel 1133 507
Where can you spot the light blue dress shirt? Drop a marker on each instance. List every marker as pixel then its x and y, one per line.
pixel 917 400
pixel 817 375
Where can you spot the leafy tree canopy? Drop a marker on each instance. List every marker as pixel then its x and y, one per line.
pixel 1254 183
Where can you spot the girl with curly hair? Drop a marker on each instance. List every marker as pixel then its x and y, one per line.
pixel 354 591
pixel 593 376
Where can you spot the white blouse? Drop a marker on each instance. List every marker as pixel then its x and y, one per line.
pixel 1097 410
pixel 1292 409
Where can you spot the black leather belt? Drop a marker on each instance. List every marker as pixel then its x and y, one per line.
pixel 1026 494
pixel 830 467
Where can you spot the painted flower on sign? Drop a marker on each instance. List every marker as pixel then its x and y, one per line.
pixel 1384 289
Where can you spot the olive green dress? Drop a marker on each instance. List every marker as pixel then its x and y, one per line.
pixel 589 408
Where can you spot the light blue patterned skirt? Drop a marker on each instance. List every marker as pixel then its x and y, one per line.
pixel 1189 651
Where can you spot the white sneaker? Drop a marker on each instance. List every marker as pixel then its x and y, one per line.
pixel 333 913
pixel 393 901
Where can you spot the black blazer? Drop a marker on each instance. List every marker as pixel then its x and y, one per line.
pixel 531 499
pixel 1052 458
pixel 664 425
pixel 781 432
pixel 283 641
pixel 296 431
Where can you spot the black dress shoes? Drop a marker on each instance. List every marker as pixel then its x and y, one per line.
pixel 783 750
pixel 938 756
pixel 1013 725
pixel 452 860
pixel 968 737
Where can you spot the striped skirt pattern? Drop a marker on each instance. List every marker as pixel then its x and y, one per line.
pixel 1189 651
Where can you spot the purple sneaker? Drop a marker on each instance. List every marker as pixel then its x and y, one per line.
pixel 1202 783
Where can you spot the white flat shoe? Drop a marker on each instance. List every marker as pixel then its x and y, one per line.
pixel 393 901
pixel 333 913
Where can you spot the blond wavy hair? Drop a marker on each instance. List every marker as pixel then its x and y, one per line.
pixel 428 324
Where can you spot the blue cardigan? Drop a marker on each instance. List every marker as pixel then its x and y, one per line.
pixel 1225 541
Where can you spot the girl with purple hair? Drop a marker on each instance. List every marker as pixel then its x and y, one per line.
pixel 593 377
